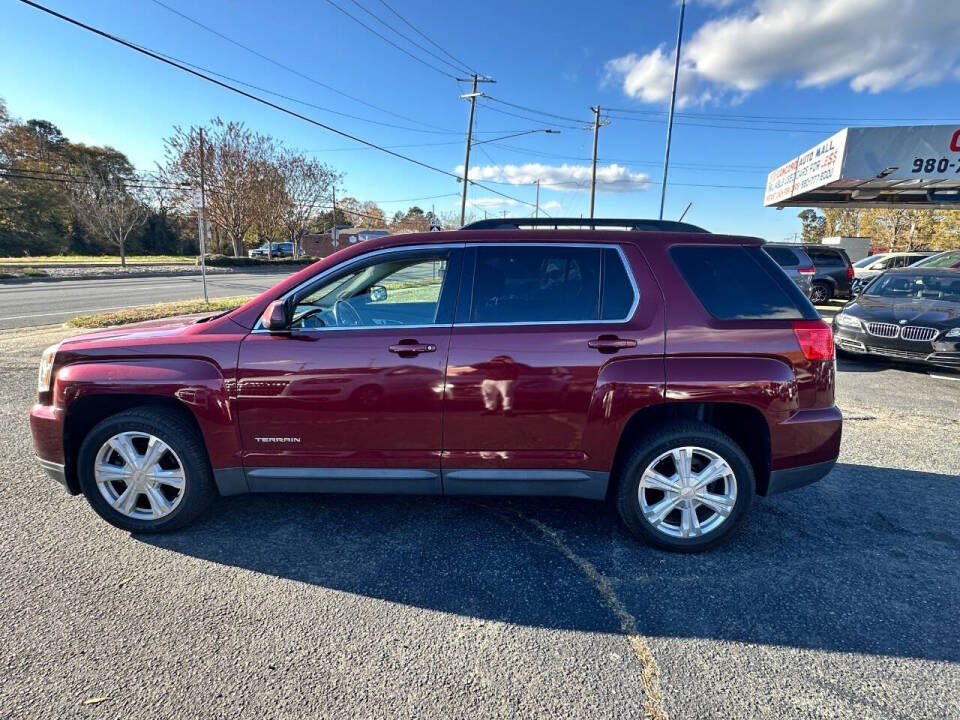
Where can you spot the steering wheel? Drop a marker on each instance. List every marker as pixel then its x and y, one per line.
pixel 338 314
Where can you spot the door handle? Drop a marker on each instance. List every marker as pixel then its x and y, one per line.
pixel 610 343
pixel 411 348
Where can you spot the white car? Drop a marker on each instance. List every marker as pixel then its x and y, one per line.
pixel 868 268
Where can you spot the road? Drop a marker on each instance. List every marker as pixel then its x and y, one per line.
pixel 835 601
pixel 44 303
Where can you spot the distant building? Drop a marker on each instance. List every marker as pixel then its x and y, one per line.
pixel 323 244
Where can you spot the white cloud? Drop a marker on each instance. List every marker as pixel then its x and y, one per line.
pixel 874 45
pixel 491 202
pixel 551 206
pixel 566 178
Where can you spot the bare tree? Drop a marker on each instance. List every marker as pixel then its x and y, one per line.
pixel 307 185
pixel 106 207
pixel 234 159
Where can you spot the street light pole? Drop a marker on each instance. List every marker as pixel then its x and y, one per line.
pixel 673 102
pixel 536 212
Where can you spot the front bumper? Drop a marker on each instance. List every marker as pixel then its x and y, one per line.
pixel 939 352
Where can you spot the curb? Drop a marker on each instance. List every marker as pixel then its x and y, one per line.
pixel 158 273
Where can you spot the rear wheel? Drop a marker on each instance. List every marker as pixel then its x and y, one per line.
pixel 685 488
pixel 146 470
pixel 820 293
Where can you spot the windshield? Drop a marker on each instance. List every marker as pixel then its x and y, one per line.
pixel 917 287
pixel 946 260
pixel 867 261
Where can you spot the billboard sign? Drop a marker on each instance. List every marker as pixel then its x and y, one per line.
pixel 882 166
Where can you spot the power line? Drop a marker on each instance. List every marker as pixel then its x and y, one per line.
pixel 253 97
pixel 389 41
pixel 530 119
pixel 297 100
pixel 288 68
pixel 716 167
pixel 783 118
pixel 426 37
pixel 533 110
pixel 456 67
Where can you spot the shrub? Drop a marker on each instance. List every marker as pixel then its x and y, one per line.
pixel 230 261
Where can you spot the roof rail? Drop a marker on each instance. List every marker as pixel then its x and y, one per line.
pixel 590 223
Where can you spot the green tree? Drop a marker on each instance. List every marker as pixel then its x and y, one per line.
pixel 813 226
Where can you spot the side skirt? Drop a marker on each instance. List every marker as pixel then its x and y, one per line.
pixel 587 484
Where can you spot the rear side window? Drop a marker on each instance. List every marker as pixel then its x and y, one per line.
pixel 549 283
pixel 827 258
pixel 740 283
pixel 617 295
pixel 784 257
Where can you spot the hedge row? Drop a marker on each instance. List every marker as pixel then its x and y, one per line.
pixel 231 261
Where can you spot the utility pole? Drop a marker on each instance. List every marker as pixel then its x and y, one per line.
pixel 473 95
pixel 202 222
pixel 593 172
pixel 334 235
pixel 536 211
pixel 673 102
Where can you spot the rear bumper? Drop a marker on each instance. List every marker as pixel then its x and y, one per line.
pixel 793 478
pixel 55 471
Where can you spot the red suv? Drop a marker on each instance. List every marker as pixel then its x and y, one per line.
pixel 677 372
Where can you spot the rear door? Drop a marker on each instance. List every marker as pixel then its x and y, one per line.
pixel 536 323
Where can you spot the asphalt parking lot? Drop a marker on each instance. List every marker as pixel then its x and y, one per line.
pixel 838 600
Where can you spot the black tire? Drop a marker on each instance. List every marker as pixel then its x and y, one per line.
pixel 666 438
pixel 170 426
pixel 821 293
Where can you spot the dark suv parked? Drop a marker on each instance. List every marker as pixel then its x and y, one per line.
pixel 795 263
pixel 834 273
pixel 677 373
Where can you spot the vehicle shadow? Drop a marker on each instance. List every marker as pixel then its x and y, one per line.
pixel 864 561
pixel 872 364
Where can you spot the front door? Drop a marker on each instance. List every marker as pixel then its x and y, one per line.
pixel 350 398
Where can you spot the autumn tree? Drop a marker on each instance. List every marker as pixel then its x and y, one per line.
pixel 106 207
pixel 234 167
pixel 307 184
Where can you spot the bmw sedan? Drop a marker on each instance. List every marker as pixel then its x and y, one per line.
pixel 908 314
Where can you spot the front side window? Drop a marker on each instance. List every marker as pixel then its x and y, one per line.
pixel 549 283
pixel 404 290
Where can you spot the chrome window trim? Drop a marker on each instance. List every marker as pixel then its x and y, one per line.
pixel 534 323
pixel 258 328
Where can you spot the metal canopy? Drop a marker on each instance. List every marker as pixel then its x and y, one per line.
pixel 915 166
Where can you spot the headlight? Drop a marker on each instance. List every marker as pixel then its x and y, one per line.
pixel 45 379
pixel 953 333
pixel 848 321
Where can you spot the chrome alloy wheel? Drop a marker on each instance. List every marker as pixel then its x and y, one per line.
pixel 139 475
pixel 687 492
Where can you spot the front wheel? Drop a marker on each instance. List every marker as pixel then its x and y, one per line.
pixel 685 488
pixel 146 470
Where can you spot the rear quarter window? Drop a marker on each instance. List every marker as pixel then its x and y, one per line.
pixel 784 257
pixel 741 283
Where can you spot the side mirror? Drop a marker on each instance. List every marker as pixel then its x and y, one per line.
pixel 276 317
pixel 378 293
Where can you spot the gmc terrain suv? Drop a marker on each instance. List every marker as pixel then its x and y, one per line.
pixel 676 372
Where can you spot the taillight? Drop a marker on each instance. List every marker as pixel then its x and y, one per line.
pixel 850 273
pixel 815 338
pixel 807 271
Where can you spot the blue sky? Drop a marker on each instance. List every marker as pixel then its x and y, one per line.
pixel 763 61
